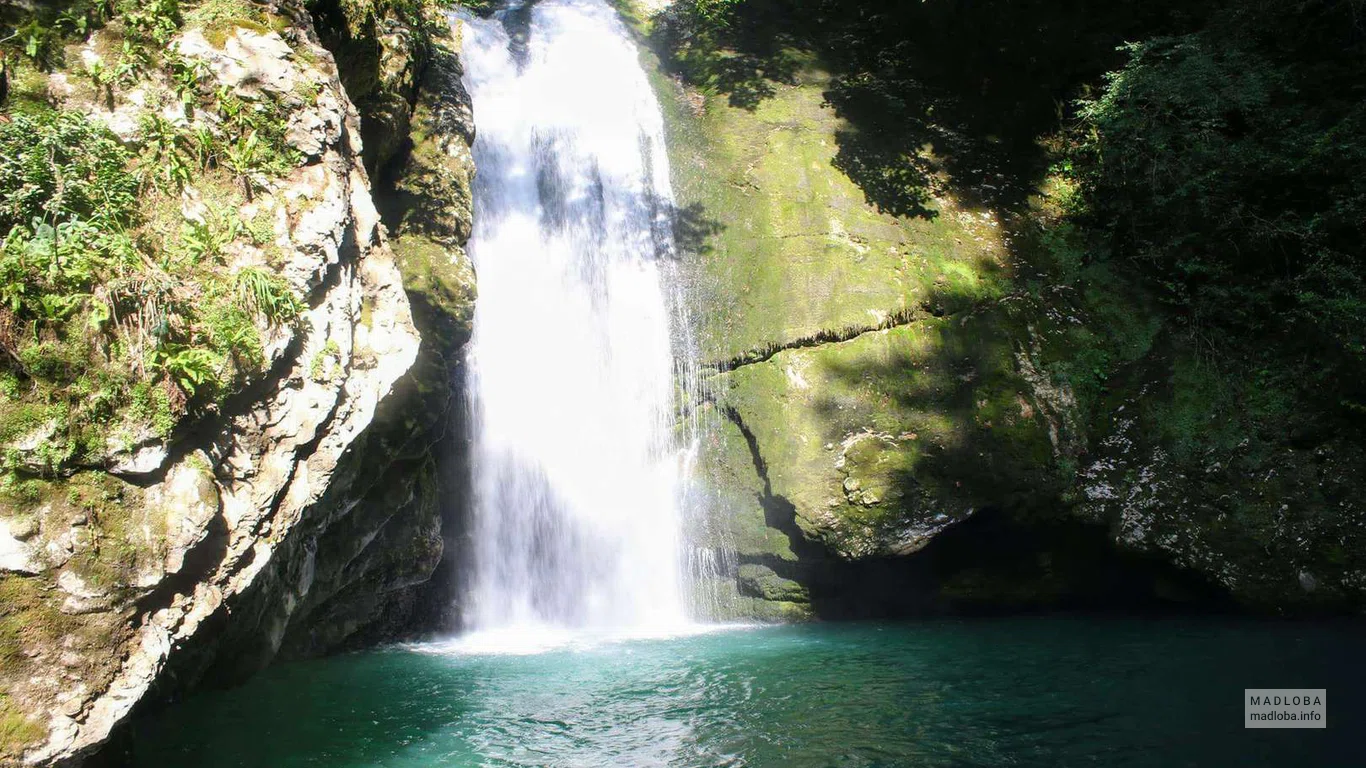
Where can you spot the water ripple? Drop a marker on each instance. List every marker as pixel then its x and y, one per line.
pixel 999 693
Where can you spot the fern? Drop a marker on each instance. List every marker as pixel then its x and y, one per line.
pixel 190 367
pixel 267 295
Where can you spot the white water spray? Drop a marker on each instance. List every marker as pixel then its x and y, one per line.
pixel 578 465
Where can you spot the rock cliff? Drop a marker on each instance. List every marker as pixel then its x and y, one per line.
pixel 303 511
pixel 915 408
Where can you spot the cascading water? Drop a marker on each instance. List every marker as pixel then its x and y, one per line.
pixel 578 463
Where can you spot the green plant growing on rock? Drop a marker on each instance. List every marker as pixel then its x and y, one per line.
pixel 187 75
pixel 105 318
pixel 102 79
pixel 133 60
pixel 190 367
pixel 36 41
pixel 167 150
pixel 202 240
pixel 151 22
pixel 325 363
pixel 151 405
pixel 243 158
pixel 261 150
pixel 66 200
pixel 266 294
pixel 260 229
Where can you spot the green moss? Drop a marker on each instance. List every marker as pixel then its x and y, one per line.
pixel 151 406
pixel 761 581
pixel 982 586
pixel 897 430
pixel 33 629
pixel 123 533
pixel 28 617
pixel 218 33
pixel 367 312
pixel 440 284
pixel 60 362
pixel 18 420
pixel 28 92
pixel 21 491
pixel 783 239
pixel 261 228
pixel 728 470
pixel 18 730
pixel 219 18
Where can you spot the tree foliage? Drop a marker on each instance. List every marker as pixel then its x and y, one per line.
pixel 1230 164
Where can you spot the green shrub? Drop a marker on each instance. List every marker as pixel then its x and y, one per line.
pixel 191 367
pixel 103 316
pixel 63 167
pixel 118 309
pixel 151 22
pixel 1227 164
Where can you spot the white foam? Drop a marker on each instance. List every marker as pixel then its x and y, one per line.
pixel 531 639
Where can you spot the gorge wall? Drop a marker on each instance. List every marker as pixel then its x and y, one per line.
pixel 917 406
pixel 303 511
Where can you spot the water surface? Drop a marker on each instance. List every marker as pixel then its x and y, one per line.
pixel 1016 692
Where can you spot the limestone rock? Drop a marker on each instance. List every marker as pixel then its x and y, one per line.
pixel 15 555
pixel 263 522
pixel 141 460
pixel 916 441
pixel 247 62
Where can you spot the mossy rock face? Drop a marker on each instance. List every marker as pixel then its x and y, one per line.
pixel 882 441
pixel 430 206
pixel 441 288
pixel 739 596
pixel 761 581
pixel 434 193
pixel 381 54
pixel 737 496
pixel 782 244
pixel 93 545
pixel 1222 475
pixel 866 405
pixel 384 127
pixel 879 378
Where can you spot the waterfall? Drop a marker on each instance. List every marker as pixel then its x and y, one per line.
pixel 579 463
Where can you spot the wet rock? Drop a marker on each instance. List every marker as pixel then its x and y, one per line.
pixel 761 581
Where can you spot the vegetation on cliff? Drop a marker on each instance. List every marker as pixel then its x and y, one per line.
pixel 1167 207
pixel 196 299
pixel 1216 161
pixel 138 285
